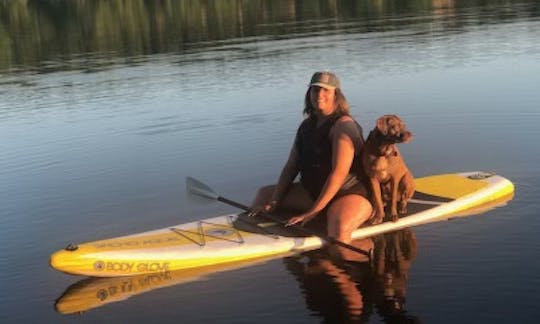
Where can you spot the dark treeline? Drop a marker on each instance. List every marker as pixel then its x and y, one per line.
pixel 34 32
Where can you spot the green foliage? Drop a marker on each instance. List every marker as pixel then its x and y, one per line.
pixel 37 33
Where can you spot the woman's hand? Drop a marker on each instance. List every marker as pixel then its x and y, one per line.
pixel 266 208
pixel 301 219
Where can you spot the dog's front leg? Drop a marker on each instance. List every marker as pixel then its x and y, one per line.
pixel 394 183
pixel 406 191
pixel 377 199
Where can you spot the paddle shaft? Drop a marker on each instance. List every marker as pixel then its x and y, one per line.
pixel 300 228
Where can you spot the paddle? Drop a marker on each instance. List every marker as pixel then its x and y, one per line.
pixel 202 190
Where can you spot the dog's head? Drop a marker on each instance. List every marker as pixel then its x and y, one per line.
pixel 393 129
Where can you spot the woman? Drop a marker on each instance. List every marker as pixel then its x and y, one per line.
pixel 326 153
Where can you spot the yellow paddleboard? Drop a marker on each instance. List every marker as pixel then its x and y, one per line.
pixel 232 238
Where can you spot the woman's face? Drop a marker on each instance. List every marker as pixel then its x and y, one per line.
pixel 323 100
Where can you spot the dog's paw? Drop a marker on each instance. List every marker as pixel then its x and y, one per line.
pixel 403 207
pixel 376 218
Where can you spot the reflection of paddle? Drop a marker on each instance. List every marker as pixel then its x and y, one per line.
pixel 202 190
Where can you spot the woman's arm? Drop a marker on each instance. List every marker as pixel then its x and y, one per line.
pixel 287 176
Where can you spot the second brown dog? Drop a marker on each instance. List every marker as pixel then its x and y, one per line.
pixel 389 178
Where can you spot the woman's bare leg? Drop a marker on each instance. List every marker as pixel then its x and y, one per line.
pixel 346 214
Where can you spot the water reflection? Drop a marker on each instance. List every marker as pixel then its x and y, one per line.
pixel 393 256
pixel 93 292
pixel 352 291
pixel 91 35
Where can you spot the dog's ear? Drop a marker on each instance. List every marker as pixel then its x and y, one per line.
pixel 382 124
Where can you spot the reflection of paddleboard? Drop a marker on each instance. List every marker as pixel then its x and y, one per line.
pixel 97 292
pixel 232 238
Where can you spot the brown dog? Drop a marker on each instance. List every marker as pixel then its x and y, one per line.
pixel 389 177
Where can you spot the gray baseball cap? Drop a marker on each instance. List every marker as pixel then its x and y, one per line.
pixel 327 80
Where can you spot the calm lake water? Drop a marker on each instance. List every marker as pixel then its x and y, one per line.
pixel 106 107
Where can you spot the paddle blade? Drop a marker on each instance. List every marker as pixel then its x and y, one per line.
pixel 198 188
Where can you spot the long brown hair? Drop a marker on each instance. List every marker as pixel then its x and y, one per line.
pixel 342 105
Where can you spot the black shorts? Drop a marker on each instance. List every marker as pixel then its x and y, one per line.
pixel 356 189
